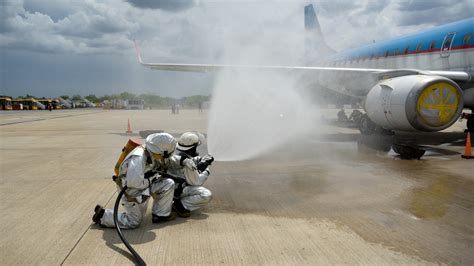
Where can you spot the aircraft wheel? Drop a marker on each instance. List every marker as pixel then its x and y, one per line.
pixel 366 126
pixel 408 152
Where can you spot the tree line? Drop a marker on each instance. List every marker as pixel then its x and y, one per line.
pixel 151 100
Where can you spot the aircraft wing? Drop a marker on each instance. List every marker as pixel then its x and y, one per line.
pixel 375 73
pixel 379 73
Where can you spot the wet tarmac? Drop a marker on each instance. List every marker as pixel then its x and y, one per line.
pixel 319 199
pixel 421 207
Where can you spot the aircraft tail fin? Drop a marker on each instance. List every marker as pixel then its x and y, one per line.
pixel 310 20
pixel 137 50
pixel 315 45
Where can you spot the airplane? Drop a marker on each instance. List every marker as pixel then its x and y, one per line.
pixel 419 82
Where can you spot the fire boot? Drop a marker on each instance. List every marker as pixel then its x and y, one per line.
pixel 98 213
pixel 160 219
pixel 180 210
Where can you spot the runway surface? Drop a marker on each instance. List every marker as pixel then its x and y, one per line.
pixel 320 199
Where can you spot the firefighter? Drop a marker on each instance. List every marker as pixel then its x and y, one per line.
pixel 190 195
pixel 139 171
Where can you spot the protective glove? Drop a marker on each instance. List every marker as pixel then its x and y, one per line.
pixel 207 157
pixel 206 160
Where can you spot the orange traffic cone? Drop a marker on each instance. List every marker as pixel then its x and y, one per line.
pixel 467 152
pixel 129 128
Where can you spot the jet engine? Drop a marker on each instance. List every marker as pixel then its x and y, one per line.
pixel 415 103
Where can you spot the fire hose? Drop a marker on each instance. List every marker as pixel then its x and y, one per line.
pixel 135 254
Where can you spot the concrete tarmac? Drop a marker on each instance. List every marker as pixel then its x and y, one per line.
pixel 321 200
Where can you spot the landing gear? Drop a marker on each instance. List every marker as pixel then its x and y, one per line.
pixel 469 121
pixel 366 126
pixel 408 151
pixel 470 124
pixel 382 139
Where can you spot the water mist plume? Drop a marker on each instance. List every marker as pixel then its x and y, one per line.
pixel 255 110
pixel 252 112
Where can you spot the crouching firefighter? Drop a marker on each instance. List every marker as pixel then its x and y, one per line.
pixel 138 172
pixel 189 194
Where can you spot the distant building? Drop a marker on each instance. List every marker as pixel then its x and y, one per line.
pixel 135 104
pixel 127 104
pixel 118 104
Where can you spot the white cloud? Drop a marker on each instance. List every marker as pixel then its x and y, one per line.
pixel 86 30
pixel 205 31
pixel 168 5
pixel 201 29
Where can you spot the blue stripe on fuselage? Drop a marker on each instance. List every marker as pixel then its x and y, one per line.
pixel 398 46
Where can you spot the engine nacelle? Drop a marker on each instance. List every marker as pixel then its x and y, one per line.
pixel 415 103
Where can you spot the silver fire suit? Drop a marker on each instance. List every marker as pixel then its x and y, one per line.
pixel 135 200
pixel 194 195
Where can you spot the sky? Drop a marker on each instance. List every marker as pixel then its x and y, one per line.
pixel 50 48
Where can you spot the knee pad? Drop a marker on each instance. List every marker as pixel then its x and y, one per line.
pixel 206 194
pixel 163 185
pixel 168 184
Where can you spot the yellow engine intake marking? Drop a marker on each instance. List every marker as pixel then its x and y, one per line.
pixel 438 103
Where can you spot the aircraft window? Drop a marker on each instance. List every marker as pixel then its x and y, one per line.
pixel 447 41
pixel 386 53
pixel 418 47
pixel 397 51
pixel 406 50
pixel 432 44
pixel 467 38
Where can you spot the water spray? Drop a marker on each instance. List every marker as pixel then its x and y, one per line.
pixel 253 112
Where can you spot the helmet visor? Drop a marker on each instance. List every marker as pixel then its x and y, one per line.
pixel 156 156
